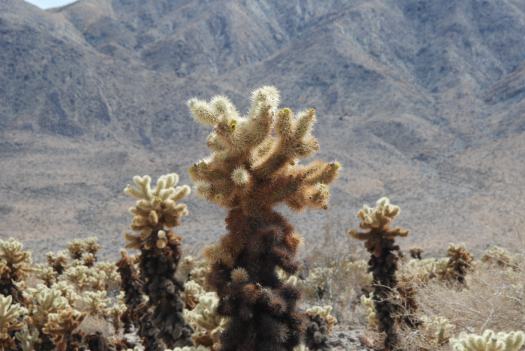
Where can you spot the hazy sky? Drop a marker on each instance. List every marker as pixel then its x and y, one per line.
pixel 45 4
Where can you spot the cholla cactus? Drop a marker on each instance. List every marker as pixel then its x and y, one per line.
pixel 15 265
pixel 459 264
pixel 84 278
pixel 437 330
pixel 57 261
pixel 28 338
pixel 154 214
pixel 205 320
pixel 80 247
pixel 489 341
pixel 47 274
pixel 115 313
pixel 498 256
pixel 61 326
pixel 11 316
pixel 371 316
pixel 320 323
pixel 254 165
pixel 380 242
pixel 94 303
pixel 43 301
pixel 192 293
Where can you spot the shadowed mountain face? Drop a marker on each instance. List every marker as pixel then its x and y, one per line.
pixel 423 101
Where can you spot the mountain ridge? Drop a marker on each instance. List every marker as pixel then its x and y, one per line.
pixel 417 99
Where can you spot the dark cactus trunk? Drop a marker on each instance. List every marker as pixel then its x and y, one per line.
pixel 137 309
pixel 157 268
pixel 383 265
pixel 261 309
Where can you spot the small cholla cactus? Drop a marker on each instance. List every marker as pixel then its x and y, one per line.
pixel 380 242
pixel 207 323
pixel 15 265
pixel 254 166
pixel 437 330
pixel 320 324
pixel 489 341
pixel 80 247
pixel 11 320
pixel 156 211
pixel 93 303
pixel 415 252
pixel 47 274
pixel 42 301
pixel 28 338
pixel 57 261
pixel 61 327
pixel 192 292
pixel 115 312
pixel 371 317
pixel 459 264
pixel 498 256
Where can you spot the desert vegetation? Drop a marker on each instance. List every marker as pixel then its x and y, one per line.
pixel 250 290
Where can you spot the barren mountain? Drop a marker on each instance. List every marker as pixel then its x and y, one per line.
pixel 423 101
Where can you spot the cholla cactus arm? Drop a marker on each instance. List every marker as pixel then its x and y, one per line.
pixel 11 316
pixel 489 341
pixel 156 209
pixel 255 165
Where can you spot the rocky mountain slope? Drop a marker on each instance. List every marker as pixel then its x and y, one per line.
pixel 423 101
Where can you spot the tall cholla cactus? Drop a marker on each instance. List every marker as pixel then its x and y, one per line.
pixel 489 341
pixel 380 242
pixel 254 165
pixel 154 214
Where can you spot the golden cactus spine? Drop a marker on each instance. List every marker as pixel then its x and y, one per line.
pixel 255 165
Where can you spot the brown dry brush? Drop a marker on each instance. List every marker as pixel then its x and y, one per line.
pixel 380 242
pixel 254 166
pixel 154 214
